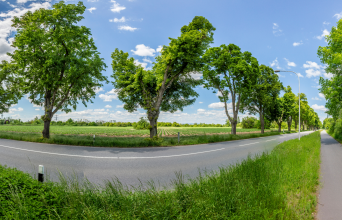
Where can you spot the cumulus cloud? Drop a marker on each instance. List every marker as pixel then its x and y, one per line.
pixel 12 110
pixel 97 90
pixel 325 33
pixel 196 75
pixel 160 47
pixel 289 63
pixel 147 60
pixel 276 30
pixel 275 63
pixel 109 96
pixel 295 44
pixel 326 23
pixel 37 109
pixel 116 20
pixel 6 28
pixel 137 63
pixel 116 8
pixel 313 69
pixel 328 75
pixel 91 9
pixel 127 28
pixel 220 105
pixel 318 107
pixel 338 16
pixel 321 95
pixel 142 50
pixel 200 102
pixel 108 106
pixel 316 98
pixel 120 106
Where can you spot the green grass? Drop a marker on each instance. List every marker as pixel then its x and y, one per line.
pixel 102 141
pixel 276 185
pixel 119 131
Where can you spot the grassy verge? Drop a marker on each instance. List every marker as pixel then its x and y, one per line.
pixel 129 141
pixel 336 137
pixel 278 185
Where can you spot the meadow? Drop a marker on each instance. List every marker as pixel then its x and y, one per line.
pixel 277 185
pixel 122 131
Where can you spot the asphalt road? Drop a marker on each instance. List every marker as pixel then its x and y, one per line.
pixel 132 165
pixel 330 195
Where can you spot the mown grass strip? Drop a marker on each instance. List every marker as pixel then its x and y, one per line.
pixel 82 140
pixel 278 185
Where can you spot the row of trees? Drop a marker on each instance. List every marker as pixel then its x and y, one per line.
pixel 57 64
pixel 331 55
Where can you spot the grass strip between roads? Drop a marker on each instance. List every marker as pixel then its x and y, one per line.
pixel 276 185
pixel 100 141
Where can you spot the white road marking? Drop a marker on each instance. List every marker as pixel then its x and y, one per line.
pixel 70 155
pixel 249 144
pixel 271 140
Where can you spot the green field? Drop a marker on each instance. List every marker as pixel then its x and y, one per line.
pixel 121 131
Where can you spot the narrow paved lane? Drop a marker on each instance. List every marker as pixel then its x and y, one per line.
pixel 330 196
pixel 130 165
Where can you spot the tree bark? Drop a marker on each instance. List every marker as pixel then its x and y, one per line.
pixel 289 123
pixel 234 123
pixel 262 122
pixel 296 125
pixel 46 131
pixel 153 117
pixel 279 127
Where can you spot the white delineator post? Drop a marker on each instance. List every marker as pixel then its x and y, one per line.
pixel 178 137
pixel 94 139
pixel 277 71
pixel 41 173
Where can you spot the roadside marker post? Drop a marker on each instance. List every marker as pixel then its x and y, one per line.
pixel 41 173
pixel 178 137
pixel 94 139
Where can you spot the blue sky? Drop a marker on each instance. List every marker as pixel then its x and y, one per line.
pixel 282 34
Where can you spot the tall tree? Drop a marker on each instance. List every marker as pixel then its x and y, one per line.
pixel 290 105
pixel 10 86
pixel 262 96
pixel 169 85
pixel 233 73
pixel 57 59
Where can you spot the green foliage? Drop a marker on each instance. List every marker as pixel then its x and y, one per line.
pixel 230 72
pixel 277 185
pixel 169 85
pixel 57 58
pixel 249 122
pixel 142 124
pixel 228 124
pixel 10 86
pixel 267 124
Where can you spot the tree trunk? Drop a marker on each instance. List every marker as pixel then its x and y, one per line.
pixel 153 117
pixel 262 123
pixel 289 123
pixel 46 131
pixel 296 125
pixel 234 123
pixel 279 127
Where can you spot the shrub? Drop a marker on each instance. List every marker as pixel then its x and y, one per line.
pixel 249 122
pixel 142 124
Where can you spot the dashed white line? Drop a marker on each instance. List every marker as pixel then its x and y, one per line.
pixel 248 144
pixel 271 140
pixel 70 155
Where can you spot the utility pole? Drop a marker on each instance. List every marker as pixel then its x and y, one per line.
pixel 56 118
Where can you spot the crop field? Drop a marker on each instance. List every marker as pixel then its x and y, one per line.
pixel 122 131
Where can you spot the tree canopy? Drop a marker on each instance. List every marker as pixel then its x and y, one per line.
pixel 57 59
pixel 168 86
pixel 233 74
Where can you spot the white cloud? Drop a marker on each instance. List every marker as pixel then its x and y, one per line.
pixel 109 96
pixel 295 44
pixel 37 109
pixel 318 107
pixel 289 63
pixel 310 64
pixel 326 23
pixel 200 102
pixel 97 90
pixel 137 63
pixel 328 75
pixel 196 75
pixel 108 106
pixel 325 32
pixel 93 0
pixel 216 105
pixel 147 60
pixel 321 95
pixel 142 50
pixel 313 69
pixel 120 106
pixel 275 63
pixel 91 9
pixel 276 30
pixel 338 16
pixel 300 75
pixel 99 110
pixel 116 20
pixel 116 8
pixel 22 1
pixel 316 98
pixel 160 47
pixel 312 73
pixel 12 110
pixel 127 28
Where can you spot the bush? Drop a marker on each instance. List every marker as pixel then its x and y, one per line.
pixel 267 124
pixel 143 124
pixel 249 122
